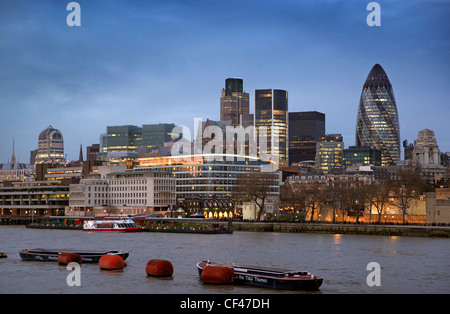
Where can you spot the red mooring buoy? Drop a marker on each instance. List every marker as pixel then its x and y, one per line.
pixel 111 262
pixel 68 257
pixel 159 268
pixel 217 275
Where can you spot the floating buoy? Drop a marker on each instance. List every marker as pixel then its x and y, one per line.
pixel 159 268
pixel 217 275
pixel 67 257
pixel 111 262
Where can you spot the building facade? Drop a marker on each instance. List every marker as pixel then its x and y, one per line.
pixel 271 112
pixel 122 193
pixel 426 153
pixel 363 155
pixel 156 134
pixel 123 138
pixel 329 153
pixel 234 102
pixel 305 130
pixel 377 121
pixel 50 146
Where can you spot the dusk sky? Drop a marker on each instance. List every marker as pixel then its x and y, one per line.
pixel 142 62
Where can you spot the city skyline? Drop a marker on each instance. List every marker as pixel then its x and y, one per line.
pixel 145 63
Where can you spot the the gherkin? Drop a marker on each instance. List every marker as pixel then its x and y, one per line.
pixel 377 123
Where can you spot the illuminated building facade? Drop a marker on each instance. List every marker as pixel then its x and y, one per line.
pixel 209 181
pixel 50 146
pixel 363 155
pixel 329 154
pixel 377 121
pixel 124 138
pixel 234 101
pixel 271 111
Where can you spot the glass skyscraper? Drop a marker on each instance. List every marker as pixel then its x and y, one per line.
pixel 271 111
pixel 377 122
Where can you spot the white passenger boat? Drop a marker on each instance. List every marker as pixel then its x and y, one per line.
pixel 118 224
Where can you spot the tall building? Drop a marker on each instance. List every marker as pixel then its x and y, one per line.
pixel 50 146
pixel 123 138
pixel 271 111
pixel 234 101
pixel 329 154
pixel 426 153
pixel 377 122
pixel 305 130
pixel 156 134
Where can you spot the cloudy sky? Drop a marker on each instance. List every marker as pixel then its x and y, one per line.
pixel 141 62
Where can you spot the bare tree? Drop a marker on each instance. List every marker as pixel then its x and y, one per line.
pixel 407 188
pixel 377 195
pixel 311 196
pixel 255 187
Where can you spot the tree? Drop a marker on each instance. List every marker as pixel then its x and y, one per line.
pixel 257 188
pixel 407 188
pixel 377 195
pixel 311 196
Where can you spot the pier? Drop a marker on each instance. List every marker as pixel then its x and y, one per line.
pixel 362 229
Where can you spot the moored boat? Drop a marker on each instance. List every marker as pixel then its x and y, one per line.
pixel 118 224
pixel 87 256
pixel 268 277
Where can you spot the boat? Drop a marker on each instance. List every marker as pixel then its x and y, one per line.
pixel 117 224
pixel 87 256
pixel 268 277
pixel 183 225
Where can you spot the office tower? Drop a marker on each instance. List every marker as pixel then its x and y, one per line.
pixel 377 122
pixel 329 154
pixel 123 138
pixel 364 155
pixel 50 146
pixel 234 101
pixel 156 134
pixel 271 111
pixel 305 130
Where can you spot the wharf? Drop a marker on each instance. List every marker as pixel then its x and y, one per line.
pixel 360 229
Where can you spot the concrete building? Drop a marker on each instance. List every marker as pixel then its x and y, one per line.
pixel 438 207
pixel 116 191
pixel 50 146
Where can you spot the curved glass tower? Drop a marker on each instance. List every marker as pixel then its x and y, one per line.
pixel 377 123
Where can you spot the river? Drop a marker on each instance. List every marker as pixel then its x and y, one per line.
pixel 407 264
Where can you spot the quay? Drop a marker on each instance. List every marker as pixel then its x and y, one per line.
pixel 328 228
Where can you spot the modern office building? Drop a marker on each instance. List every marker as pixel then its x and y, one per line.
pixel 363 155
pixel 234 101
pixel 50 146
pixel 271 112
pixel 305 130
pixel 329 153
pixel 156 134
pixel 123 138
pixel 210 181
pixel 377 121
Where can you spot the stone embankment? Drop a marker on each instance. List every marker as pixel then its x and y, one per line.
pixel 364 229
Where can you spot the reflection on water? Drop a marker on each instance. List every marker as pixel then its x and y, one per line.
pixel 408 264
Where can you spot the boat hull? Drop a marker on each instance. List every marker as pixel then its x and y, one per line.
pixel 45 255
pixel 267 278
pixel 136 229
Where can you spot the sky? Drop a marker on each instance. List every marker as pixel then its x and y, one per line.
pixel 143 62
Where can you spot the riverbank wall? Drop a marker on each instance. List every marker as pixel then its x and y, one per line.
pixel 362 229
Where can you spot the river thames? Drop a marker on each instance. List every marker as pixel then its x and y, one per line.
pixel 409 265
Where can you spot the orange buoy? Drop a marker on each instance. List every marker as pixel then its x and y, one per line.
pixel 217 275
pixel 111 262
pixel 159 268
pixel 68 257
